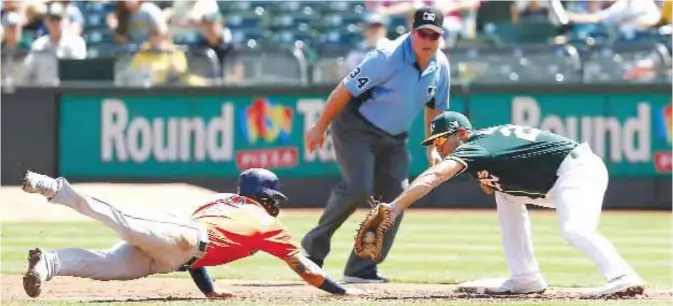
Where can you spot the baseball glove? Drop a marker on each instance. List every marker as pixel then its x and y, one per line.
pixel 369 237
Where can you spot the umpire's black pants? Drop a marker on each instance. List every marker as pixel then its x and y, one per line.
pixel 372 163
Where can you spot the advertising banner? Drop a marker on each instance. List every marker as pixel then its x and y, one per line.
pixel 631 132
pixel 198 136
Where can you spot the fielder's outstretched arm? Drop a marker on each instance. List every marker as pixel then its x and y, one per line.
pixel 313 274
pixel 427 181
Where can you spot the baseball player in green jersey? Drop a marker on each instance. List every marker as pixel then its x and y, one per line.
pixel 524 165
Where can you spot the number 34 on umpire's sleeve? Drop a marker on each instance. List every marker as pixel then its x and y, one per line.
pixel 372 71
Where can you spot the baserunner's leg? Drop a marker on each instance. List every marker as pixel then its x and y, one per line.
pixel 121 262
pixel 166 239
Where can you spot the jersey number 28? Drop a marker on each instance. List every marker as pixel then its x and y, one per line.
pixel 521 132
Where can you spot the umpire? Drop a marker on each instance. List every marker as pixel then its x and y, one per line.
pixel 371 112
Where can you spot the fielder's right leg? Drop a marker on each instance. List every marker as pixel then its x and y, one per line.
pixel 578 194
pixel 154 244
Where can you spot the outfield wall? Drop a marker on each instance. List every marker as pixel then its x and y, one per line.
pixel 206 136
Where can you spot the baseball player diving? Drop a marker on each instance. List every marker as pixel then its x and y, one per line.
pixel 226 228
pixel 522 165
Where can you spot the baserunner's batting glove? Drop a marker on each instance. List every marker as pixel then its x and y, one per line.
pixel 369 237
pixel 485 188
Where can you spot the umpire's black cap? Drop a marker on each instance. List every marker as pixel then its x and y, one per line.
pixel 430 18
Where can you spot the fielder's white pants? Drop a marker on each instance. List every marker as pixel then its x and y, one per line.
pixel 577 196
pixel 151 243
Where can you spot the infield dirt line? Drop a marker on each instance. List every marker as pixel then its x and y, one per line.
pixel 154 288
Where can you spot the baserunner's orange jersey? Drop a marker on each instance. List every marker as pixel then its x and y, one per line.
pixel 238 227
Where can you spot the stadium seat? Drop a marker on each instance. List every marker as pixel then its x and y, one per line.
pixel 98 36
pixel 290 37
pixel 97 7
pixel 102 50
pixel 345 7
pixel 397 26
pixel 95 21
pixel 331 21
pixel 317 6
pixel 267 6
pixel 242 36
pixel 523 32
pixel 628 63
pixel 516 64
pixel 235 6
pixel 293 20
pixel 269 65
pixel 186 39
pixel 289 6
pixel 247 20
pixel 342 37
pixel 329 66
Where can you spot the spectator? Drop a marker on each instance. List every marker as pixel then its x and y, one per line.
pixel 185 16
pixel 396 7
pixel 74 22
pixel 9 6
pixel 134 20
pixel 32 14
pixel 629 17
pixel 666 11
pixel 404 8
pixel 584 30
pixel 215 35
pixel 460 18
pixel 374 28
pixel 11 46
pixel 158 62
pixel 529 9
pixel 41 64
pixel 11 33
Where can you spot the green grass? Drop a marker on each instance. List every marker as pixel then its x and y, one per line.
pixel 442 247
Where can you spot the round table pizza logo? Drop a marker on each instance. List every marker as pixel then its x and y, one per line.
pixel 271 123
pixel 267 121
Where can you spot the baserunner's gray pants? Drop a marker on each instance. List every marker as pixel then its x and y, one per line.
pixel 372 163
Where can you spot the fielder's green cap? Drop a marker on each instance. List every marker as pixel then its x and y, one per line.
pixel 445 124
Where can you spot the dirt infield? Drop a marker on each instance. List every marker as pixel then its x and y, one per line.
pixel 165 289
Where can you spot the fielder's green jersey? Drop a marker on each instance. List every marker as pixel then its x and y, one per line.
pixel 514 159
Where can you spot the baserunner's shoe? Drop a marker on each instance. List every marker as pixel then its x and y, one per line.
pixel 36 274
pixel 33 182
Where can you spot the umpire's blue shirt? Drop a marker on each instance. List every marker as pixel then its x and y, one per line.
pixel 391 91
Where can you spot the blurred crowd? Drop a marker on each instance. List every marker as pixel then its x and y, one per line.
pixel 155 37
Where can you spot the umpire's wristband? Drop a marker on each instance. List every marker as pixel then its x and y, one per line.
pixel 332 287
